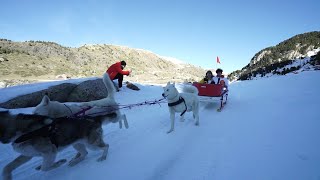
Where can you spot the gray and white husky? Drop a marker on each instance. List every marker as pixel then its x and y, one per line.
pixel 181 102
pixel 56 109
pixel 51 138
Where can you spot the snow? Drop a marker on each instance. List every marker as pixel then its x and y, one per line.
pixel 313 52
pixel 268 130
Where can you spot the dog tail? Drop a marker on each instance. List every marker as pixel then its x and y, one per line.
pixel 190 89
pixel 109 85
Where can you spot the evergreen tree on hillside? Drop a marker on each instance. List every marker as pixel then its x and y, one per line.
pixel 315 60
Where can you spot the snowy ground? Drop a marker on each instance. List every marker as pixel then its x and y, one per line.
pixel 268 130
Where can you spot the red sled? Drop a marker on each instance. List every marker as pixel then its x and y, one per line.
pixel 208 92
pixel 213 90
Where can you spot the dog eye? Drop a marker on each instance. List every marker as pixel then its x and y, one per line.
pixel 167 89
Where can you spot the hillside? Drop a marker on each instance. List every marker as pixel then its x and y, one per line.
pixel 39 60
pixel 269 60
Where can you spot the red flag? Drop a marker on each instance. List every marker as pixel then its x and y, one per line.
pixel 218 60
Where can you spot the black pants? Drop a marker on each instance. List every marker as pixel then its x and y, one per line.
pixel 120 79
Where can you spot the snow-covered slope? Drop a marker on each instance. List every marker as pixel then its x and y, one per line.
pixel 268 130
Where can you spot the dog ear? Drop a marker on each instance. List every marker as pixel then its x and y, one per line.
pixel 174 84
pixel 168 83
pixel 45 100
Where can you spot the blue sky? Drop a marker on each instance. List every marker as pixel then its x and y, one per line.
pixel 195 31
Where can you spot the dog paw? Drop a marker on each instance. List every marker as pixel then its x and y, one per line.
pixel 53 166
pixel 170 131
pixel 102 158
pixel 120 124
pixel 61 161
pixel 126 124
pixel 7 177
pixel 75 161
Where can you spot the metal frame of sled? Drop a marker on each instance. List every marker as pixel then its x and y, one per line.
pixel 212 92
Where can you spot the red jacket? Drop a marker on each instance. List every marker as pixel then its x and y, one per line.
pixel 114 69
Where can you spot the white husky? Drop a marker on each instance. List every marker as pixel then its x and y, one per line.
pixel 107 105
pixel 181 102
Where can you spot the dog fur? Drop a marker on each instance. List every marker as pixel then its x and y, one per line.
pixel 13 125
pixel 190 96
pixel 56 109
pixel 48 140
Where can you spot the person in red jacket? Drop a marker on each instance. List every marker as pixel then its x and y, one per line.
pixel 116 71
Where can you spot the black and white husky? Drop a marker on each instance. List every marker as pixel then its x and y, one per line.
pixel 181 102
pixel 54 135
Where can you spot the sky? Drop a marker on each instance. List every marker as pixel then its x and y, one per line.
pixel 193 31
pixel 269 129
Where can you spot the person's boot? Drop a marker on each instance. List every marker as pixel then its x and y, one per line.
pixel 116 86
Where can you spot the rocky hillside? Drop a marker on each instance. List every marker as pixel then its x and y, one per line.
pixel 270 59
pixel 22 62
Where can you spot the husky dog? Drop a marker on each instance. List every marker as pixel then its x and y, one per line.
pixel 48 140
pixel 181 102
pixel 56 109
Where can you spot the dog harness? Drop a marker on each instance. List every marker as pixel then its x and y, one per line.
pixel 179 102
pixel 80 113
pixel 51 131
pixel 44 131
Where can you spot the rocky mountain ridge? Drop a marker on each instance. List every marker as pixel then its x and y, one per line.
pixel 270 59
pixel 31 61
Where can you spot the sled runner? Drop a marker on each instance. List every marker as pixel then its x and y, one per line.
pixel 212 92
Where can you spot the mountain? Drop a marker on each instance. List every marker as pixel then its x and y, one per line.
pixel 269 60
pixel 40 60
